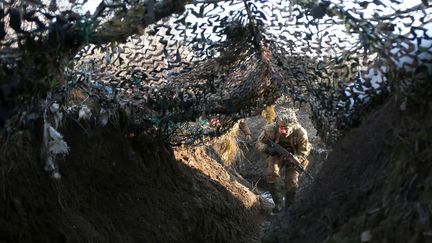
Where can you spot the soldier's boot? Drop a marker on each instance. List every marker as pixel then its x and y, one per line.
pixel 277 197
pixel 289 198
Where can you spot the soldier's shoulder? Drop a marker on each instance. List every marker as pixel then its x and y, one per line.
pixel 270 127
pixel 269 130
pixel 301 130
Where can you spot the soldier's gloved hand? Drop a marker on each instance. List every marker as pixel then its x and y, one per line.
pixel 271 151
pixel 294 159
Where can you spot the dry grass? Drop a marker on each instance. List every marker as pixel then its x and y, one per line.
pixel 269 113
pixel 227 146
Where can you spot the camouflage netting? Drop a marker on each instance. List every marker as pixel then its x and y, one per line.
pixel 192 70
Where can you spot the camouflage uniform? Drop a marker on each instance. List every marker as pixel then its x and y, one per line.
pixel 244 128
pixel 295 140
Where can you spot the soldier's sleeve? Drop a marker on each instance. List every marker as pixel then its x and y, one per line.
pixel 303 145
pixel 267 133
pixel 260 145
pixel 244 128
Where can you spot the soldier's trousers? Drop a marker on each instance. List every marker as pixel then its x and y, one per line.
pixel 274 167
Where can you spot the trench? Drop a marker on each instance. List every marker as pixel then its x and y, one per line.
pixel 117 81
pixel 130 186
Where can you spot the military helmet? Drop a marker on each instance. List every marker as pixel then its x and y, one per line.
pixel 286 118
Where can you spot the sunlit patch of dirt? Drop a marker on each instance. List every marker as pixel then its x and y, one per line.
pixel 197 158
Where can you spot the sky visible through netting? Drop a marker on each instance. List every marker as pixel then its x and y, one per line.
pixel 189 70
pixel 302 48
pixel 223 60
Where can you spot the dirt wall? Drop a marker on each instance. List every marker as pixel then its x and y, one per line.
pixel 114 188
pixel 374 187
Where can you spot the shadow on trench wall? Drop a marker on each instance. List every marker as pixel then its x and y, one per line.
pixel 113 189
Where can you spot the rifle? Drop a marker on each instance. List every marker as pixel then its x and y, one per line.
pixel 290 158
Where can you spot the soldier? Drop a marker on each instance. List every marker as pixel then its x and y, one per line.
pixel 287 132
